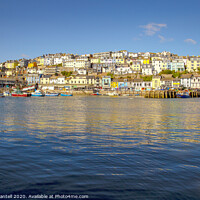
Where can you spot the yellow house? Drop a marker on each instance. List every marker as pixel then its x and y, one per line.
pixel 114 84
pixel 95 60
pixel 146 61
pixel 9 73
pixel 156 82
pixel 45 79
pixel 193 63
pixel 32 64
pixel 40 61
pixel 11 64
pixel 136 66
pixel 120 60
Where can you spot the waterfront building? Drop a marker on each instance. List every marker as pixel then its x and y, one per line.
pixel 176 83
pixel 82 82
pixel 156 82
pixel 186 80
pixel 195 81
pixel 53 79
pixel 33 78
pixel 106 82
pixel 114 84
pixel 193 63
pixel 45 79
pixel 122 84
pixel 166 81
pixel 137 84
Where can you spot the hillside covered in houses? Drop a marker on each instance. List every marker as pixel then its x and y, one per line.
pixel 120 70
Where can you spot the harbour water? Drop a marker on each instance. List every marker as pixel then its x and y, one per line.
pixel 101 147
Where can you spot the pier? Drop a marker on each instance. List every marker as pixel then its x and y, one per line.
pixel 167 94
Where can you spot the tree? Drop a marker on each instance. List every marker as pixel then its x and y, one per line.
pixel 66 74
pixel 166 71
pixel 110 74
pixel 146 78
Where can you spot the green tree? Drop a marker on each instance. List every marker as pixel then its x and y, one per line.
pixel 110 74
pixel 66 74
pixel 166 71
pixel 147 78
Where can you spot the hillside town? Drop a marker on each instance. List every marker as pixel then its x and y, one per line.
pixel 119 70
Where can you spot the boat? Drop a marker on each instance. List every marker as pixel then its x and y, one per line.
pixel 96 93
pixel 6 93
pixel 66 94
pixel 113 94
pixel 48 94
pixel 20 94
pixel 183 94
pixel 37 93
pixel 1 95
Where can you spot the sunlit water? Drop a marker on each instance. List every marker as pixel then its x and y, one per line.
pixel 103 147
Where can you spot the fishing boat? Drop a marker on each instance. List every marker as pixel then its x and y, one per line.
pixel 183 94
pixel 66 94
pixel 37 93
pixel 48 94
pixel 95 93
pixel 20 94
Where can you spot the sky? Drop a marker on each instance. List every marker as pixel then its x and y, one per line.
pixel 31 28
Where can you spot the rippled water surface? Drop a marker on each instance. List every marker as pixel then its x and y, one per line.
pixel 103 147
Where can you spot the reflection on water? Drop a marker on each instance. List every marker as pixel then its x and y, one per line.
pixel 108 148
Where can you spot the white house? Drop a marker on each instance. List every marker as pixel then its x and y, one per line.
pixel 186 80
pixel 195 81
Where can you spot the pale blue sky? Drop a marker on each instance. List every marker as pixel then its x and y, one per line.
pixel 30 28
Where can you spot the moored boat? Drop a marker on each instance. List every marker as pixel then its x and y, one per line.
pixel 183 94
pixel 66 94
pixel 37 93
pixel 21 94
pixel 96 93
pixel 48 94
